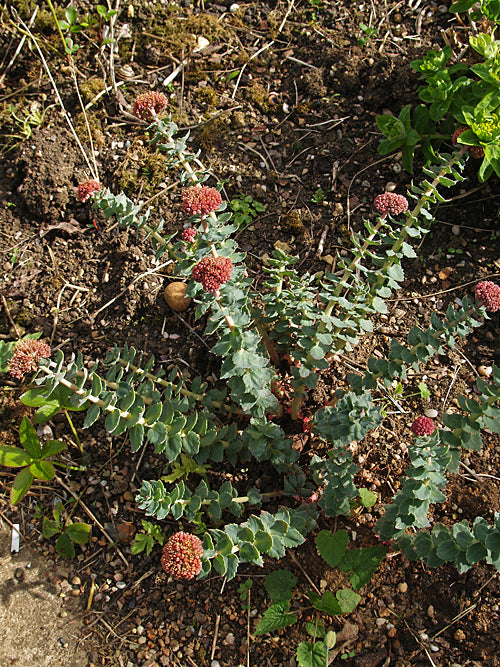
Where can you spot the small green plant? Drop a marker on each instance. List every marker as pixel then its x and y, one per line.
pixel 25 122
pixel 318 197
pixel 280 585
pixel 32 458
pixel 368 32
pixel 146 541
pixel 74 24
pixel 488 8
pixel 244 593
pixel 68 533
pixel 452 93
pixel 245 209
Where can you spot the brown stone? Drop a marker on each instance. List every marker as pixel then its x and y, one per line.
pixel 175 296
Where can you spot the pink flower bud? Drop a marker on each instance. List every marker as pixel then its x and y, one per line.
pixel 423 426
pixel 488 295
pixel 188 235
pixel 27 354
pixel 181 556
pixel 148 105
pixel 87 189
pixel 474 151
pixel 212 272
pixel 200 199
pixel 390 202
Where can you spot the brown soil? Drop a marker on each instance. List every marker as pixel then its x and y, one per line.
pixel 290 129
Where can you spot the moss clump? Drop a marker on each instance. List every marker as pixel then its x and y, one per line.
pixel 293 222
pixel 258 95
pixel 95 126
pixel 206 95
pixel 180 34
pixel 214 133
pixel 141 170
pixel 91 88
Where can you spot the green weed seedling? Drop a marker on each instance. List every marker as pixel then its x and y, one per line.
pixel 145 541
pixel 360 564
pixel 68 533
pixel 32 458
pixel 245 209
pixel 368 32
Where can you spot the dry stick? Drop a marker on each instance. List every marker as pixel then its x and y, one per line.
pixel 290 6
pixel 93 517
pixel 18 50
pixel 453 380
pixel 216 633
pixel 290 553
pixel 89 132
pixel 112 22
pixel 137 278
pixel 257 53
pixel 9 316
pixel 56 91
pixel 248 628
pixel 451 289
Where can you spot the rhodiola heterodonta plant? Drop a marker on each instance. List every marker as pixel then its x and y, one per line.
pixel 275 340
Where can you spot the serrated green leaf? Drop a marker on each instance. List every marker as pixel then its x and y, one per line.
pixel 275 618
pixel 311 655
pixel 367 497
pixel 280 584
pixel 332 547
pixel 347 599
pixel 315 630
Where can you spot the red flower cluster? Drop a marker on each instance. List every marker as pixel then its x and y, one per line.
pixel 148 105
pixel 87 189
pixel 200 199
pixel 181 556
pixel 390 202
pixel 212 272
pixel 188 235
pixel 27 354
pixel 474 151
pixel 423 426
pixel 488 295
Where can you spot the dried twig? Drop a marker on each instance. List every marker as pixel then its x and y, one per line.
pixel 93 517
pixel 19 47
pixel 216 634
pixel 9 316
pixel 126 289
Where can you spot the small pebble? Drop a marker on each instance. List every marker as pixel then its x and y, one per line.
pixel 19 573
pixel 390 186
pixel 403 587
pixel 76 581
pixel 455 230
pixel 430 611
pixel 432 414
pixel 76 592
pixel 485 371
